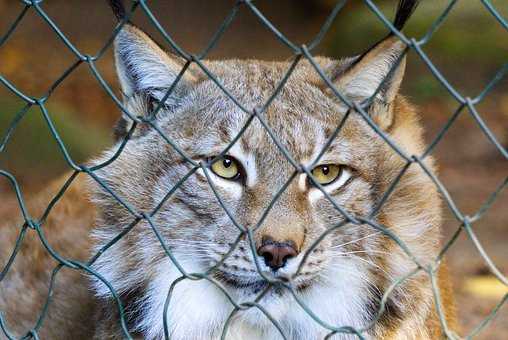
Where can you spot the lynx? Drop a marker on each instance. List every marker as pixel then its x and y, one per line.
pixel 341 279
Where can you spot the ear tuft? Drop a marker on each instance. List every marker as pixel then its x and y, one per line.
pixel 404 11
pixel 118 9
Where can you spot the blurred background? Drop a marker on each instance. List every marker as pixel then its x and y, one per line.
pixel 469 49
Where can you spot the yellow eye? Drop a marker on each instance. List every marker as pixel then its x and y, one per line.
pixel 326 174
pixel 226 167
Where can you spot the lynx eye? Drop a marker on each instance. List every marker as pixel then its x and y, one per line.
pixel 326 173
pixel 226 167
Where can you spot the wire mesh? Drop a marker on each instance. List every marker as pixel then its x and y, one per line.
pixel 34 224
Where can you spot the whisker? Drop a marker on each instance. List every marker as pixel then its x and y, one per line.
pixel 339 254
pixel 358 239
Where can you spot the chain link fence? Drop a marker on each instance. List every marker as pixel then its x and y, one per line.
pixel 464 105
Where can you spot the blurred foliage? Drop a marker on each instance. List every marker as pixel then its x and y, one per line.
pixel 469 32
pixel 32 148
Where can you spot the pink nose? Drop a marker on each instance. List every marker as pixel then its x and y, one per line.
pixel 276 254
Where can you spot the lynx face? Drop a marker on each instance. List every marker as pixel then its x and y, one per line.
pixel 343 276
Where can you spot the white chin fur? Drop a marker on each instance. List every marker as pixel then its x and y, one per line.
pixel 198 309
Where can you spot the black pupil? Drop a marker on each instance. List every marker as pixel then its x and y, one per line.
pixel 325 170
pixel 227 162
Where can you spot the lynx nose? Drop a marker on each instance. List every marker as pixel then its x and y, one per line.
pixel 276 254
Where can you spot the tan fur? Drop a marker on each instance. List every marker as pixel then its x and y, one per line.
pixel 24 289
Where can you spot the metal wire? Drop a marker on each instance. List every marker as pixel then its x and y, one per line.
pixel 34 225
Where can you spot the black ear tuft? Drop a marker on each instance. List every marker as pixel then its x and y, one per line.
pixel 404 10
pixel 118 8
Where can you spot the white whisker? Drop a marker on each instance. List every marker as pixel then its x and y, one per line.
pixel 354 241
pixel 339 254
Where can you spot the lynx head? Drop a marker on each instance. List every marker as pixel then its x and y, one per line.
pixel 308 232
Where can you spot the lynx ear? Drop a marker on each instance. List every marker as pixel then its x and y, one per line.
pixel 381 67
pixel 144 68
pixel 373 69
pixel 377 73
